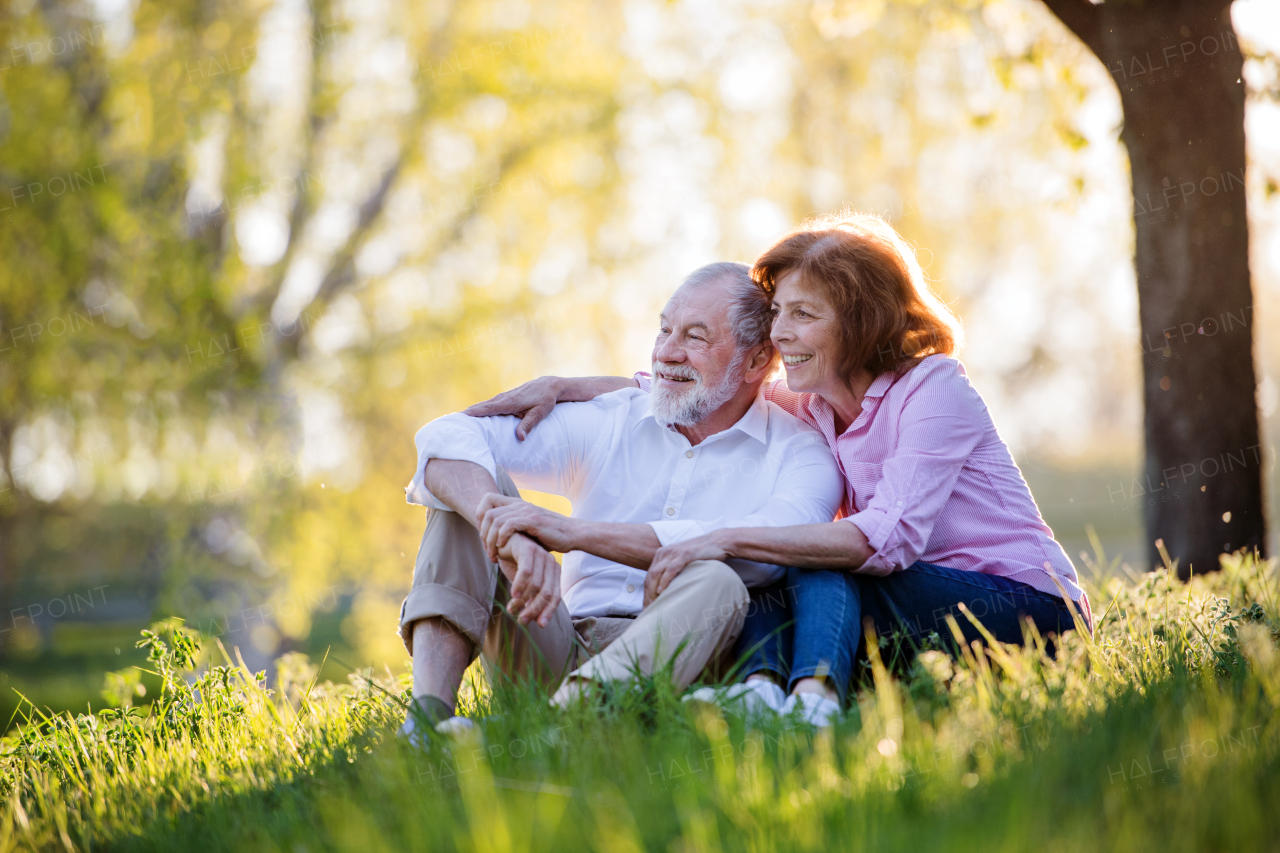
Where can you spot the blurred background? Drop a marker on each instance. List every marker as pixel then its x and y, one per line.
pixel 250 247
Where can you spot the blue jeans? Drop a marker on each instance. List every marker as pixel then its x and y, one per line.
pixel 810 624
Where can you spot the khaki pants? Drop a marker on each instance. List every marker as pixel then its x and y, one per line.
pixel 696 619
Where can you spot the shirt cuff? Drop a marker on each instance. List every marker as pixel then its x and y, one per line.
pixel 671 532
pixel 876 525
pixel 446 442
pixel 644 380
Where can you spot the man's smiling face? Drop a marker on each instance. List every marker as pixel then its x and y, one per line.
pixel 696 364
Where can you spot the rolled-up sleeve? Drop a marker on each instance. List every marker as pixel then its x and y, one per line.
pixel 547 460
pixel 941 424
pixel 780 395
pixel 451 437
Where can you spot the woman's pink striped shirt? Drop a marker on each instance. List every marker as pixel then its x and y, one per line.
pixel 927 477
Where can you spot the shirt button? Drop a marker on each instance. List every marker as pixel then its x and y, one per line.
pixel 671 510
pixel 899 503
pixel 630 588
pixel 689 454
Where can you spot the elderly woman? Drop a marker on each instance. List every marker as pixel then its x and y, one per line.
pixel 936 517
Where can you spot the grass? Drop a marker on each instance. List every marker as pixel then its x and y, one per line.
pixel 1160 733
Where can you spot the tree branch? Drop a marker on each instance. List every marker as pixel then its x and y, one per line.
pixel 317 121
pixel 340 273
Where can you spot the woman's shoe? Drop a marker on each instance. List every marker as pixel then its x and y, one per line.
pixel 749 699
pixel 815 709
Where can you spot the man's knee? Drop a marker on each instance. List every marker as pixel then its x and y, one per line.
pixel 506 485
pixel 444 525
pixel 717 582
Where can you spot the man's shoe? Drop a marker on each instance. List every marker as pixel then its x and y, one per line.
pixel 427 714
pixel 451 728
pixel 749 699
pixel 815 709
pixel 455 726
pixel 409 731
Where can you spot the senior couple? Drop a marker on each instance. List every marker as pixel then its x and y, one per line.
pixel 726 522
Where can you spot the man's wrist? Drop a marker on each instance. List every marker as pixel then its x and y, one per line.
pixel 517 543
pixel 725 540
pixel 572 532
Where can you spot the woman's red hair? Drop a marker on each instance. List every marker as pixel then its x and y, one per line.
pixel 889 319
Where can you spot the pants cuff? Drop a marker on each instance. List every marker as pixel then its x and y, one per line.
pixel 465 613
pixel 804 672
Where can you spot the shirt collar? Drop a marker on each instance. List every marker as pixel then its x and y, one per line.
pixel 755 423
pixel 822 411
pixel 881 384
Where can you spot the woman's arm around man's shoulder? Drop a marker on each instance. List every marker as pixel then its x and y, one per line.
pixel 535 399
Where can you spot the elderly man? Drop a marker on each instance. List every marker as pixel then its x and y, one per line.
pixel 702 451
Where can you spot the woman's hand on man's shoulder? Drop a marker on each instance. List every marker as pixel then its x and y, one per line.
pixel 531 402
pixel 535 399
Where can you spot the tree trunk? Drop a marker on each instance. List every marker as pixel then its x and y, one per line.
pixel 1178 67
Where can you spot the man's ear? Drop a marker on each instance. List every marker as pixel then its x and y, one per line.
pixel 760 363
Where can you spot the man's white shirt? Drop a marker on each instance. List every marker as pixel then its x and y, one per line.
pixel 614 462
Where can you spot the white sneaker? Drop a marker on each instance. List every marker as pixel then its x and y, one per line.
pixel 749 698
pixel 409 731
pixel 815 709
pixel 453 727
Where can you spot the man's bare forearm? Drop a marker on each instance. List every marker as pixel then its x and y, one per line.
pixel 580 389
pixel 630 544
pixel 459 485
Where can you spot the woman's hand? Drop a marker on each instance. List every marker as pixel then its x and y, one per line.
pixel 535 399
pixel 531 402
pixel 501 517
pixel 670 561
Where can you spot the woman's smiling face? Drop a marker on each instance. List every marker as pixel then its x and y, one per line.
pixel 805 333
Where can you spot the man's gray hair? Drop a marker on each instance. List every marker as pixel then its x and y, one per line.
pixel 750 310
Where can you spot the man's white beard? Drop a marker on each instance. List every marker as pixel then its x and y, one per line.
pixel 691 404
